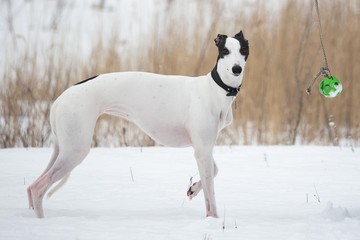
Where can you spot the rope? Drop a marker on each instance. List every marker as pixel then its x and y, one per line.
pixel 325 71
pixel 320 33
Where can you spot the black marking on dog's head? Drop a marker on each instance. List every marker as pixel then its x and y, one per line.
pixel 244 44
pixel 220 41
pixel 83 81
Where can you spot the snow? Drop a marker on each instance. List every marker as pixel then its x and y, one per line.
pixel 262 192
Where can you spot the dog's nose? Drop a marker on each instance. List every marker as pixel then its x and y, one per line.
pixel 236 70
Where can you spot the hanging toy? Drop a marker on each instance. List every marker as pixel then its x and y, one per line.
pixel 330 86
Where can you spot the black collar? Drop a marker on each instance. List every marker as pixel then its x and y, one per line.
pixel 231 91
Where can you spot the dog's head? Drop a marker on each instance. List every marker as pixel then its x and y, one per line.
pixel 233 53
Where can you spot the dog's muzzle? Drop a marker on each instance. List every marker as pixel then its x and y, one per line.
pixel 236 70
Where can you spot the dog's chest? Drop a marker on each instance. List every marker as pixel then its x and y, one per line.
pixel 226 117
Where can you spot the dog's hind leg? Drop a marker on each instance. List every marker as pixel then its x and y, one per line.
pixel 62 167
pixel 57 187
pixel 195 188
pixel 54 156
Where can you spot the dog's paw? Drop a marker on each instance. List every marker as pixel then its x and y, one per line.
pixel 189 193
pixel 194 190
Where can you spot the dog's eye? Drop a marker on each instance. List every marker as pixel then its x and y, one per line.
pixel 244 51
pixel 225 51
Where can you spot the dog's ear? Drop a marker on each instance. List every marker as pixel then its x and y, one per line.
pixel 220 40
pixel 239 35
pixel 244 50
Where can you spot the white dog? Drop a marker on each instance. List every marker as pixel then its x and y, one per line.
pixel 175 111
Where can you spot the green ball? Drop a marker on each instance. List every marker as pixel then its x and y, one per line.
pixel 330 87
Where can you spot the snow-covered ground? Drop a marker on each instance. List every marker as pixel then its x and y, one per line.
pixel 273 192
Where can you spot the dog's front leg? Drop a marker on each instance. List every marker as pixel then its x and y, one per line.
pixel 195 188
pixel 206 166
pixel 203 127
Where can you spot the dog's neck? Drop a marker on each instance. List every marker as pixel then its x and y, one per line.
pixel 231 91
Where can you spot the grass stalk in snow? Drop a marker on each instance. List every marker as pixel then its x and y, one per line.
pixel 132 176
pixel 223 223
pixel 316 195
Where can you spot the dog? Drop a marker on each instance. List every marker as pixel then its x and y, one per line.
pixel 176 111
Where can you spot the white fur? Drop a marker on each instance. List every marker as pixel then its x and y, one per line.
pixel 175 111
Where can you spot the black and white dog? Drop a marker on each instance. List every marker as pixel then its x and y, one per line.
pixel 175 111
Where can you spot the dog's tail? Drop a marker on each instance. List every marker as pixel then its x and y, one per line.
pixel 58 186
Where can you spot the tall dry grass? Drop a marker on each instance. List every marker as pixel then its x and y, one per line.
pixel 272 107
pixel 285 59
